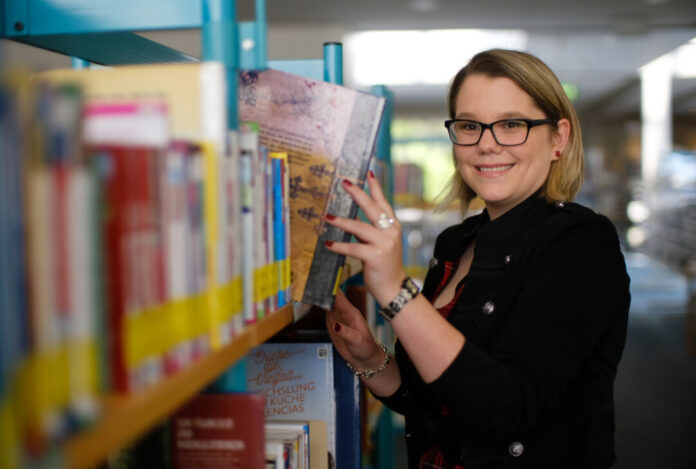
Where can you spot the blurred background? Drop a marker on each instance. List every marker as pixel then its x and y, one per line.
pixel 630 68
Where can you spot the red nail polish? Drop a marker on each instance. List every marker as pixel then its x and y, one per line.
pixel 346 182
pixel 372 175
pixel 328 244
pixel 330 216
pixel 337 327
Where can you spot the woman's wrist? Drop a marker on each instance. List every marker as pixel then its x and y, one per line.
pixel 379 365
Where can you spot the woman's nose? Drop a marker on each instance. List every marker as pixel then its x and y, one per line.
pixel 487 139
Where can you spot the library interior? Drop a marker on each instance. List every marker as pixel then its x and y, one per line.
pixel 165 171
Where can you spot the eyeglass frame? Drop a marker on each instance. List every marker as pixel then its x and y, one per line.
pixel 530 124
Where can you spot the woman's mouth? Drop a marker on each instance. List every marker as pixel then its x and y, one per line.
pixel 494 168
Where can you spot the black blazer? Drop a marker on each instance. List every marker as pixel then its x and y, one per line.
pixel 544 311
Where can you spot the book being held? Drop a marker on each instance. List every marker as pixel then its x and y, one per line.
pixel 329 133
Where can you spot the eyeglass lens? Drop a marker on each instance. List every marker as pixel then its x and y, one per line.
pixel 505 132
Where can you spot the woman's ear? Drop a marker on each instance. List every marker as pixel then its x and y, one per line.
pixel 560 137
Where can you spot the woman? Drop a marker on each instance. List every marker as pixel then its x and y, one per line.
pixel 508 357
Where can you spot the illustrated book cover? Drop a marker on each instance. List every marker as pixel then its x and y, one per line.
pixel 329 133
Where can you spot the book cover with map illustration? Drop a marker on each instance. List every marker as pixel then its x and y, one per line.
pixel 329 133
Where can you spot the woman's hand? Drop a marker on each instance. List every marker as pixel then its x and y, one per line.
pixel 379 248
pixel 351 335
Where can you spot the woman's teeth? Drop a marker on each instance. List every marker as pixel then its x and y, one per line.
pixel 495 168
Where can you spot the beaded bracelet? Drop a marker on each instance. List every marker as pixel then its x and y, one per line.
pixel 367 374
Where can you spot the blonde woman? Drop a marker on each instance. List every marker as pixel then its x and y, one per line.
pixel 507 357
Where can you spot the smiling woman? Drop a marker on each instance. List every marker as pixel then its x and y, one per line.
pixel 508 357
pixel 512 161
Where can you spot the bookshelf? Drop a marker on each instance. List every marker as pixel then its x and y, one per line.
pixel 102 32
pixel 127 417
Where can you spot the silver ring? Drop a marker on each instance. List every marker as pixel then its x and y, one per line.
pixel 384 221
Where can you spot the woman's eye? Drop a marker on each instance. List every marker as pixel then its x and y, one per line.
pixel 514 124
pixel 467 127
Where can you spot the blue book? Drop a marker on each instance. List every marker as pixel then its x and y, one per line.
pixel 348 417
pixel 278 222
pixel 13 288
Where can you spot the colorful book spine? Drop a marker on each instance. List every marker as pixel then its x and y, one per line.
pixel 277 161
pixel 271 279
pixel 130 138
pixel 248 140
pixel 232 298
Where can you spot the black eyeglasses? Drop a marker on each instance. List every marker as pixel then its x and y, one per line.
pixel 506 132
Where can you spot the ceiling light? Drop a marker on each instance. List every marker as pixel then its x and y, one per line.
pixel 419 57
pixel 423 5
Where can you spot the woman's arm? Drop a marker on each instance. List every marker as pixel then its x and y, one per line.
pixel 430 341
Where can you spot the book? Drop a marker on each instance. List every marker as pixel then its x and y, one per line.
pixel 348 415
pixel 281 234
pixel 329 132
pixel 297 380
pixel 248 146
pixel 14 327
pixel 315 436
pixel 128 152
pixel 197 292
pixel 219 430
pixel 296 436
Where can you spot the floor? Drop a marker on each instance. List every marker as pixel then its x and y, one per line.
pixel 655 388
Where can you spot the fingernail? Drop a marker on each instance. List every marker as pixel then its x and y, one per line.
pixel 372 175
pixel 346 182
pixel 337 327
pixel 328 244
pixel 330 216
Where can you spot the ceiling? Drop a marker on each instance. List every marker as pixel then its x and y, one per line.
pixel 598 45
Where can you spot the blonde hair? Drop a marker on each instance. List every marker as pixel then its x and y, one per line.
pixel 538 81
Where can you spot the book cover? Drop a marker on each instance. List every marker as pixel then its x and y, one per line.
pixel 219 430
pixel 297 382
pixel 329 133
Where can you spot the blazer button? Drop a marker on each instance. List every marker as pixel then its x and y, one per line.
pixel 508 259
pixel 516 449
pixel 488 308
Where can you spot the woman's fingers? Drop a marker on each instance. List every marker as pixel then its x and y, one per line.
pixel 365 232
pixel 372 208
pixel 378 194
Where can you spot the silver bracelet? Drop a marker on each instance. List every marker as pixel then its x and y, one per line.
pixel 367 374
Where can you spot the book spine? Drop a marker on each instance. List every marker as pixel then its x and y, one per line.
pixel 259 209
pixel 278 227
pixel 269 255
pixel 348 417
pixel 233 198
pixel 353 165
pixel 248 241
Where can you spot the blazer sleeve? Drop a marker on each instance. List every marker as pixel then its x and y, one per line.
pixel 574 294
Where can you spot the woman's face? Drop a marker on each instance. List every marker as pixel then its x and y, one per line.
pixel 504 176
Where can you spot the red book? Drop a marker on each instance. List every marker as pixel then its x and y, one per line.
pixel 115 230
pixel 219 430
